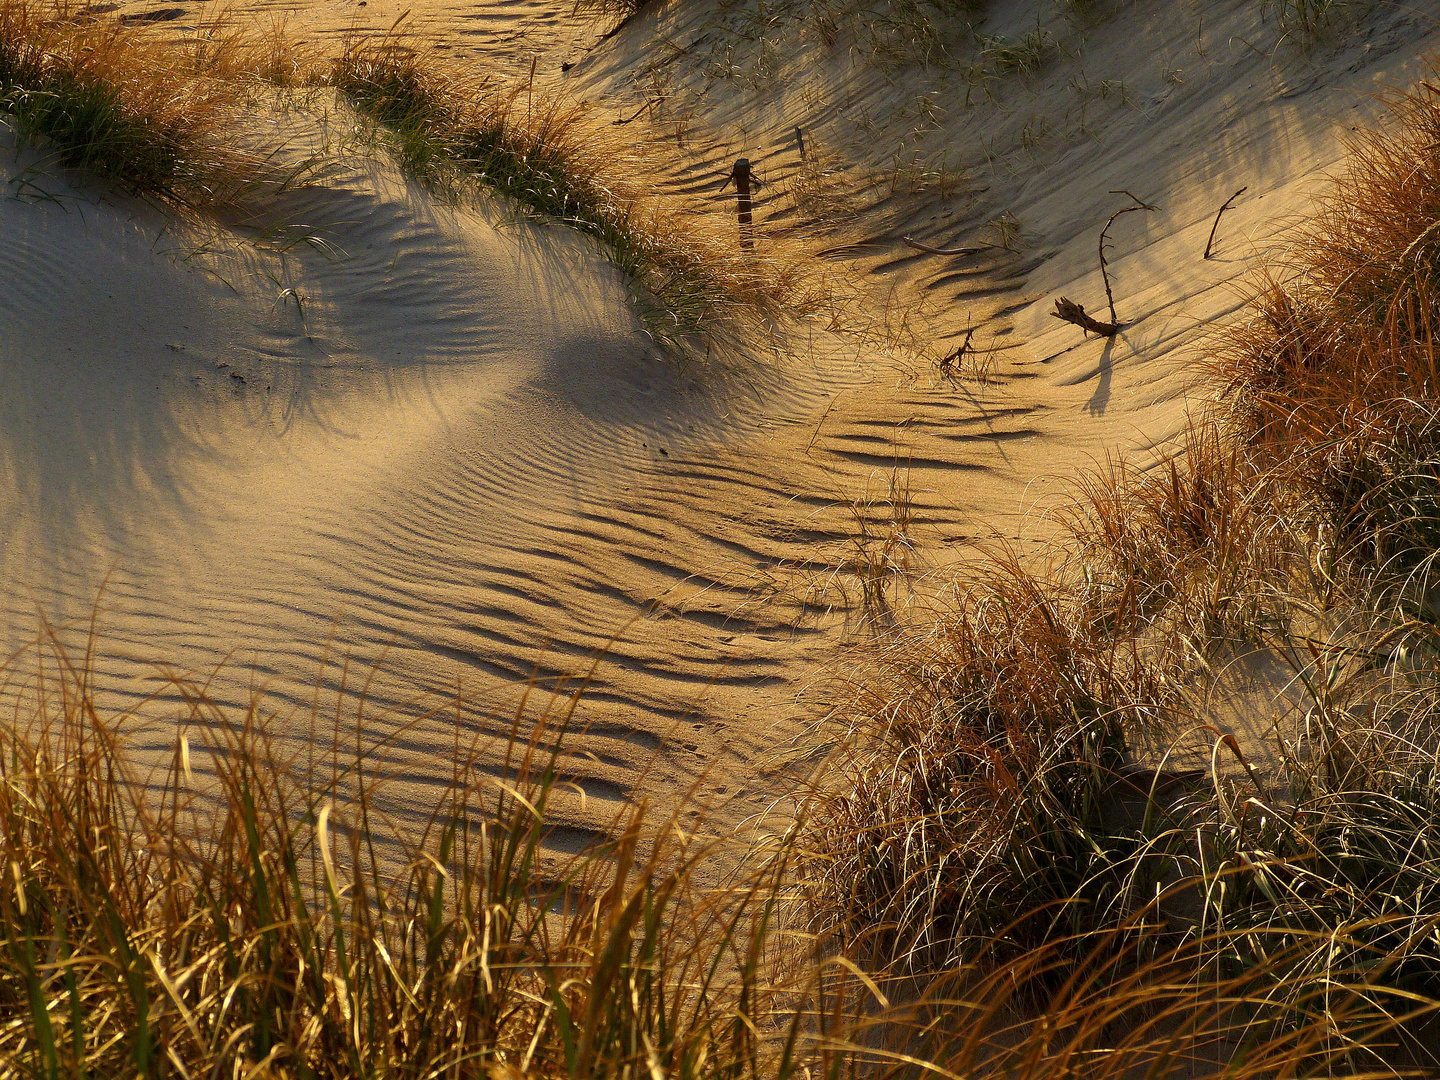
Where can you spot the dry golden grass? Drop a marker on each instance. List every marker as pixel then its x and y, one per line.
pixel 163 118
pixel 992 890
pixel 122 103
pixel 243 912
pixel 990 802
pixel 558 161
pixel 1334 378
pixel 1197 552
pixel 982 751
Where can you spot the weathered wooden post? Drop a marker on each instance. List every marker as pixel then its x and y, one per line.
pixel 743 183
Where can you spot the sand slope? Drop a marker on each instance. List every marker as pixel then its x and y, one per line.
pixel 1181 104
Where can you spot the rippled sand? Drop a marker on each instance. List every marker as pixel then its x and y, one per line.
pixel 436 439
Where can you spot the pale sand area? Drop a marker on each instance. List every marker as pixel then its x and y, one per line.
pixel 467 460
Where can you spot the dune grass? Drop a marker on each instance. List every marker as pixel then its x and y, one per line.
pixel 553 161
pixel 891 34
pixel 1332 381
pixel 1308 21
pixel 616 10
pixel 160 119
pixel 157 119
pixel 988 885
pixel 246 913
pixel 241 910
pixel 1004 784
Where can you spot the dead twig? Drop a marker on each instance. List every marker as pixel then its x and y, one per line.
pixel 954 360
pixel 1140 204
pixel 638 113
pixel 911 242
pixel 1228 203
pixel 1067 310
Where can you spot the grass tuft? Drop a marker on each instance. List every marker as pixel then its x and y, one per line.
pixel 240 911
pixel 114 100
pixel 244 912
pixel 1025 55
pixel 1044 769
pixel 552 161
pixel 1309 21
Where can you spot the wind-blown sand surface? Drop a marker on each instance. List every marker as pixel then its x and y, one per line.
pixel 437 438
pixel 453 460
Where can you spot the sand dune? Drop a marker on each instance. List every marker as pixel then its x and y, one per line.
pixel 449 453
pixel 436 435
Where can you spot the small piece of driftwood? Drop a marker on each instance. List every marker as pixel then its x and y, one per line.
pixel 912 242
pixel 1228 203
pixel 1066 310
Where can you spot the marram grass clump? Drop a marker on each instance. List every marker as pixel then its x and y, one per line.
pixel 556 162
pixel 154 117
pixel 241 910
pixel 1012 776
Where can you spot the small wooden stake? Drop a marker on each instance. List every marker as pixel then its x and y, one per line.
pixel 743 181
